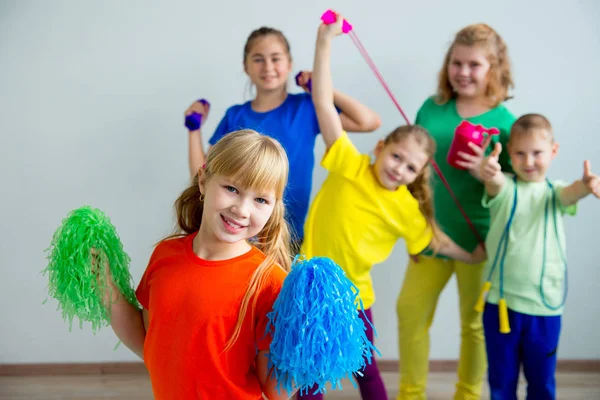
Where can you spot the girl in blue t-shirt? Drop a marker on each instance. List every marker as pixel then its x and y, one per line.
pixel 286 117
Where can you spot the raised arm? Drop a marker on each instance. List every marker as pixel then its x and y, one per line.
pixel 330 123
pixel 196 155
pixel 355 116
pixel 491 173
pixel 579 189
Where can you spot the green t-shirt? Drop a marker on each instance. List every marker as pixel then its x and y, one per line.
pixel 525 249
pixel 441 122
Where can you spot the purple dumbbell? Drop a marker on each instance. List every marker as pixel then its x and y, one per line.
pixel 308 84
pixel 194 120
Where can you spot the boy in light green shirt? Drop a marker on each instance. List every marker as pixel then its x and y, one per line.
pixel 526 263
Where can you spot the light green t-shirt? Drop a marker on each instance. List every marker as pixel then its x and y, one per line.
pixel 441 122
pixel 524 254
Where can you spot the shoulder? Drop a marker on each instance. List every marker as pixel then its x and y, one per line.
pixel 504 116
pixel 236 109
pixel 429 103
pixel 298 102
pixel 172 245
pixel 299 98
pixel 432 106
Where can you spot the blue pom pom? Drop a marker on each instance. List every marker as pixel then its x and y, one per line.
pixel 318 336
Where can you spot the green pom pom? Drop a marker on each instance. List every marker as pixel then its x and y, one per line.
pixel 81 248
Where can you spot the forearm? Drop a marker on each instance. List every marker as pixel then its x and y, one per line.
pixel 493 186
pixel 573 193
pixel 127 322
pixel 196 156
pixel 322 93
pixel 267 383
pixel 355 116
pixel 450 249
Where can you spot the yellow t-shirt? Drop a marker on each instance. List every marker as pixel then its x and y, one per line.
pixel 356 222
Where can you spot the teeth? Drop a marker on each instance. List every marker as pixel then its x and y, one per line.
pixel 232 224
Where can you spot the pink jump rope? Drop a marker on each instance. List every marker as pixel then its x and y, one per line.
pixel 465 132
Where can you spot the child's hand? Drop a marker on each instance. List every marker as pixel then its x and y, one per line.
pixel 472 162
pixel 478 255
pixel 200 108
pixel 111 293
pixel 490 166
pixel 591 181
pixel 332 30
pixel 303 80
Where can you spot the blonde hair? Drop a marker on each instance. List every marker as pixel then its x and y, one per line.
pixel 530 124
pixel 421 187
pixel 499 75
pixel 258 162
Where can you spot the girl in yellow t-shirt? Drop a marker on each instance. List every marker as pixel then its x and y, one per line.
pixel 363 208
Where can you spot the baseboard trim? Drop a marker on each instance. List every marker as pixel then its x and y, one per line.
pixel 73 369
pixel 385 365
pixel 562 365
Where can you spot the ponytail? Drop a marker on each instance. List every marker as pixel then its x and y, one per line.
pixel 423 193
pixel 188 210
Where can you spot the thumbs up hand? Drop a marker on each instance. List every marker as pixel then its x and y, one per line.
pixel 490 165
pixel 591 181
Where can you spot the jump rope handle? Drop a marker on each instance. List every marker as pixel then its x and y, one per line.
pixel 328 18
pixel 483 296
pixel 503 316
pixel 194 120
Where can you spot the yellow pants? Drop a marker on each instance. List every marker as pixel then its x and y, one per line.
pixel 423 283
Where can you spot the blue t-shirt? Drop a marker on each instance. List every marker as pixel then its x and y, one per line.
pixel 294 124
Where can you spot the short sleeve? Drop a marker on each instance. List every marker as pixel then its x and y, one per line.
pixel 344 158
pixel 419 117
pixel 266 300
pixel 310 114
pixel 502 196
pixel 419 234
pixel 142 292
pixel 222 129
pixel 568 210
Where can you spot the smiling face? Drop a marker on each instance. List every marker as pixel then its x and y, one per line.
pixel 468 70
pixel 232 213
pixel 399 163
pixel 268 63
pixel 531 154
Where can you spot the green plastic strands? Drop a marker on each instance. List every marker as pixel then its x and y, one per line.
pixel 81 248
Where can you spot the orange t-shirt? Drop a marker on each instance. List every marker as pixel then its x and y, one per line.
pixel 193 306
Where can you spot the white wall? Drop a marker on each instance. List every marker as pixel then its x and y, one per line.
pixel 92 97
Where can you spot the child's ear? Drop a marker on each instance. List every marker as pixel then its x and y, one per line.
pixel 554 150
pixel 201 179
pixel 380 145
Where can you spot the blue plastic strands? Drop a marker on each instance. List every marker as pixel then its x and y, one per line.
pixel 318 336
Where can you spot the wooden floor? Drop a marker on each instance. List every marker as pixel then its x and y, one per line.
pixel 571 386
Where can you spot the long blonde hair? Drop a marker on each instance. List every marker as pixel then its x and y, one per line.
pixel 258 162
pixel 421 188
pixel 499 76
